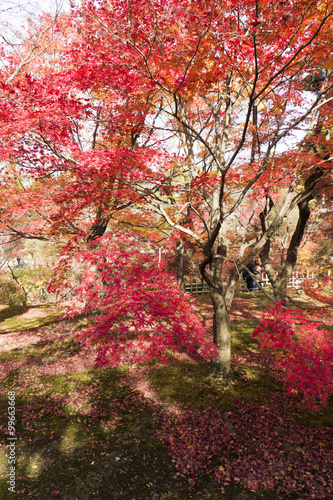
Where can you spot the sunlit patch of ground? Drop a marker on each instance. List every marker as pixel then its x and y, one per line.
pixel 18 339
pixel 40 360
pixel 242 310
pixel 21 318
pixel 137 379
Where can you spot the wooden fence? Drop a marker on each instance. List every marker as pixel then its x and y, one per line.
pixel 295 281
pixel 196 287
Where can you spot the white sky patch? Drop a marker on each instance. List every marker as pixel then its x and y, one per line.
pixel 14 13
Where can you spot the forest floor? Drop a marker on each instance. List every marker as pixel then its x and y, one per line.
pixel 155 431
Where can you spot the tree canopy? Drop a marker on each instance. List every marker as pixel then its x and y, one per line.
pixel 126 126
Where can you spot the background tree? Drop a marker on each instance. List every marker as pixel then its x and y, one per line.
pixel 316 154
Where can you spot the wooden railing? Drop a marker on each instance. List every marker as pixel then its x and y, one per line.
pixel 295 281
pixel 196 287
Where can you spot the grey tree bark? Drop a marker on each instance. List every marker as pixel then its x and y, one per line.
pixel 280 281
pixel 180 263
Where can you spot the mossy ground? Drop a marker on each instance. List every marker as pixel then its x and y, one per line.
pixel 20 318
pixel 84 433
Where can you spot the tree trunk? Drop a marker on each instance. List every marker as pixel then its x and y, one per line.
pixel 221 300
pixel 99 226
pixel 180 263
pixel 280 289
pixel 221 332
pixel 280 282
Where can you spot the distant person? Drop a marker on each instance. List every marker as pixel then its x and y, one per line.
pixel 254 268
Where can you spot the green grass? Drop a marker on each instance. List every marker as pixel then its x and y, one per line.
pixel 89 434
pixel 12 319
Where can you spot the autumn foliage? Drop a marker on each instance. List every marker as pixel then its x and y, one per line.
pixel 167 116
pixel 137 310
pixel 303 350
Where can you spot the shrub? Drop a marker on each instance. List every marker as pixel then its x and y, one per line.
pixel 10 293
pixel 302 348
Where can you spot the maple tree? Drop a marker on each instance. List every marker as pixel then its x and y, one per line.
pixel 198 90
pixel 165 116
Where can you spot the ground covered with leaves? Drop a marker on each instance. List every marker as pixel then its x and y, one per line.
pixel 156 431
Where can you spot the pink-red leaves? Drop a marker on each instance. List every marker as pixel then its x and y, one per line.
pixel 141 312
pixel 302 349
